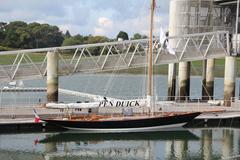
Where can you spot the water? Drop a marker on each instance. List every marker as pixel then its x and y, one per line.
pixel 219 143
pixel 119 86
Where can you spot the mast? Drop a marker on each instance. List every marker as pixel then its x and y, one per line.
pixel 150 55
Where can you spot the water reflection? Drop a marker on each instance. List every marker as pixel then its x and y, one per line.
pixel 113 146
pixel 207 144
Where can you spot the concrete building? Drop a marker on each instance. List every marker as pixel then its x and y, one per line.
pixel 200 16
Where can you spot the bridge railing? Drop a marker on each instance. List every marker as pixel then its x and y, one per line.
pixel 32 63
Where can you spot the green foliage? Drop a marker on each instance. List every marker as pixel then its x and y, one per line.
pixel 2 36
pixel 79 39
pixel 19 34
pixel 123 35
pixel 75 40
pixel 138 36
pixel 96 39
pixel 67 35
pixel 5 48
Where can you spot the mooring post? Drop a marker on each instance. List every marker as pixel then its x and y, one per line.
pixel 184 80
pixel 52 77
pixel 171 81
pixel 229 80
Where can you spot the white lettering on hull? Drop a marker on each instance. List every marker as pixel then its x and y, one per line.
pixel 127 103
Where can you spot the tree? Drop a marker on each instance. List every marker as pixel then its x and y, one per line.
pixel 75 40
pixel 2 32
pixel 96 39
pixel 13 34
pixel 19 34
pixel 3 25
pixel 123 35
pixel 67 34
pixel 137 36
pixel 45 35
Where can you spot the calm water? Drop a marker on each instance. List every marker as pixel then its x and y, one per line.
pixel 121 86
pixel 219 143
pixel 208 144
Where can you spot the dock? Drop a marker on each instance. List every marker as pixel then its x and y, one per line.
pixel 21 118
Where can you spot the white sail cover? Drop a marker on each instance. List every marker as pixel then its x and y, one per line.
pixel 103 103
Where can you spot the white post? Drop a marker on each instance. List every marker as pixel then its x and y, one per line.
pixel 171 81
pixel 229 80
pixel 237 14
pixel 184 80
pixel 210 78
pixel 52 77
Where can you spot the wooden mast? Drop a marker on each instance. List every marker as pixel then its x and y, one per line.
pixel 150 55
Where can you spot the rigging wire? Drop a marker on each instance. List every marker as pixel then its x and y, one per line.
pixel 115 70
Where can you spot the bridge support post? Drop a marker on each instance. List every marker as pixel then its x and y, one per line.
pixel 52 77
pixel 184 80
pixel 208 79
pixel 204 88
pixel 229 80
pixel 171 81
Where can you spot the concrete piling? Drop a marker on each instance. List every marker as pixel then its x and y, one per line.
pixel 204 88
pixel 171 81
pixel 210 78
pixel 184 80
pixel 229 80
pixel 52 77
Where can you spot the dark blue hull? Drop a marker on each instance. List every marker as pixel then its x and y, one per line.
pixel 126 125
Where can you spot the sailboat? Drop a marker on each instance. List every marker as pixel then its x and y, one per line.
pixel 133 122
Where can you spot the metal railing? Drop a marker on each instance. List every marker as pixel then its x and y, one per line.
pixel 88 58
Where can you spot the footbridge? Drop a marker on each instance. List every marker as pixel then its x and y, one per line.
pixel 100 57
